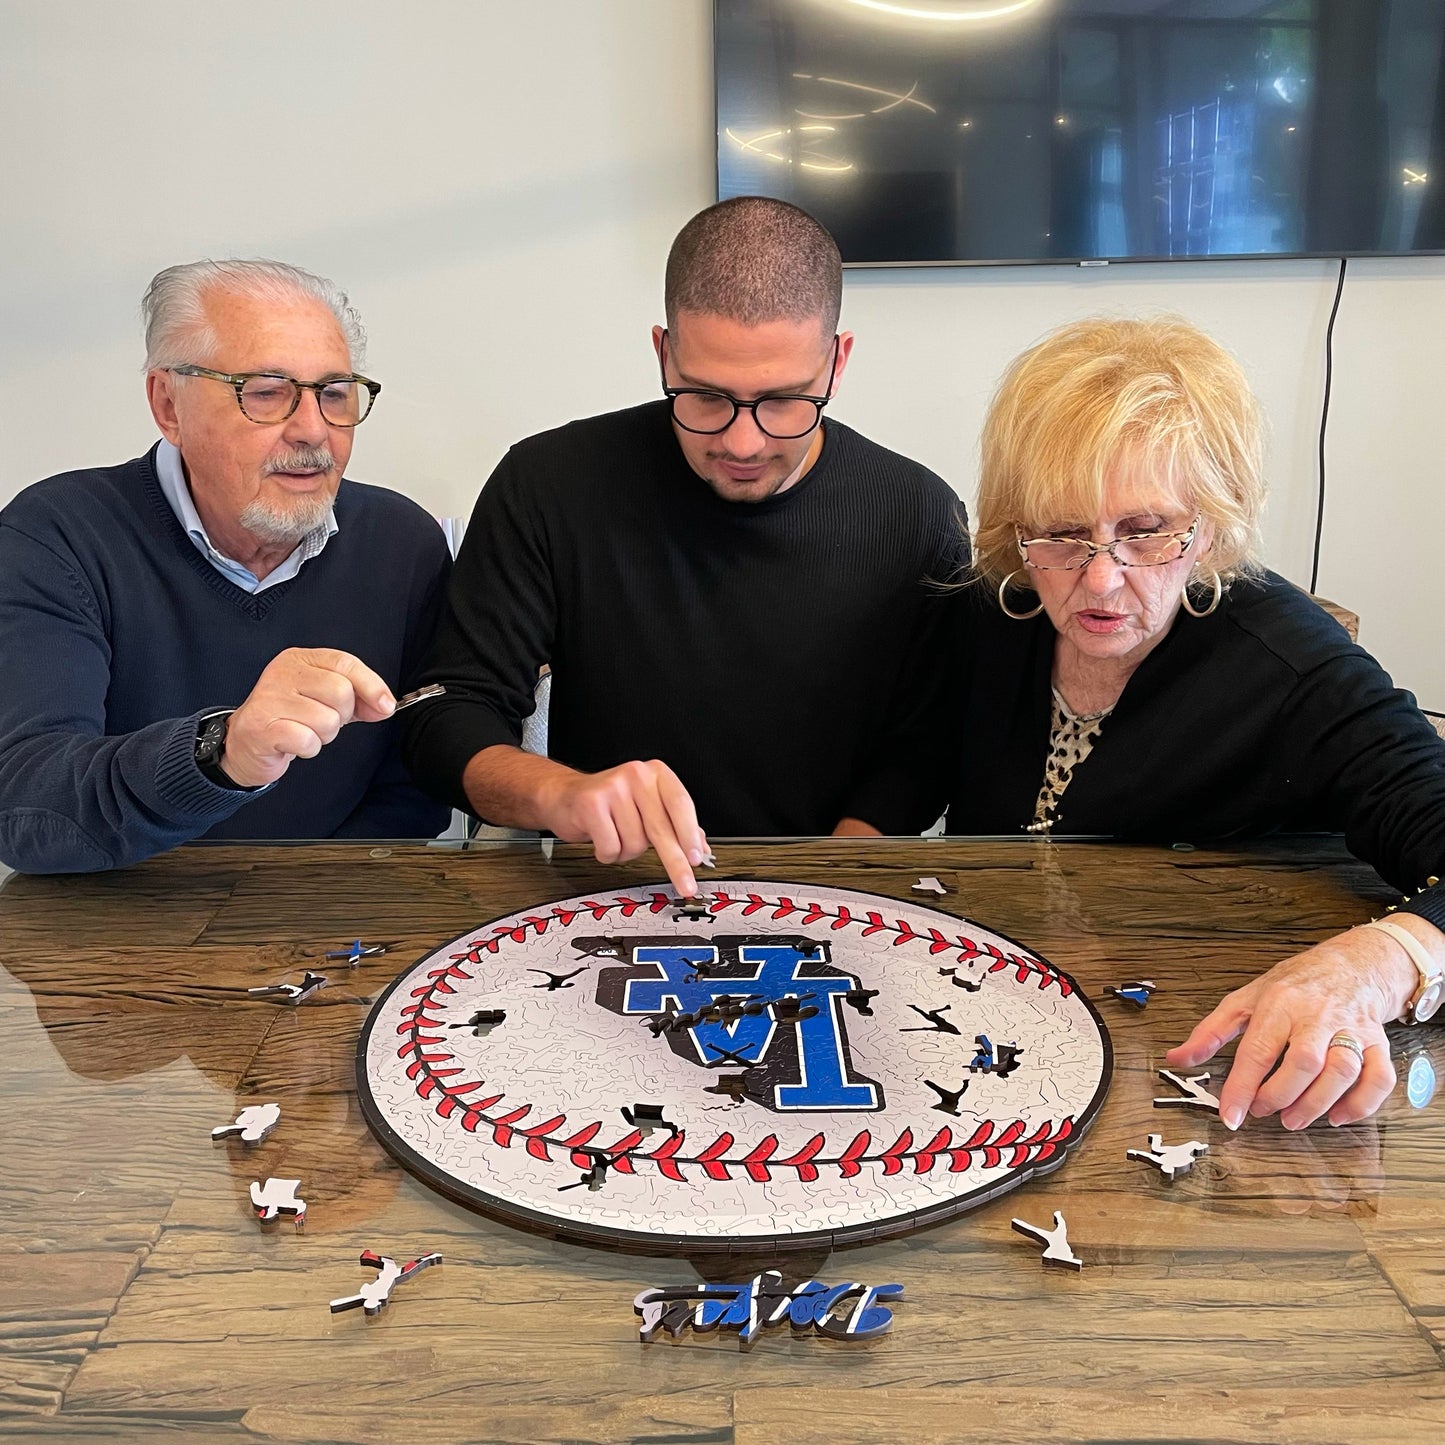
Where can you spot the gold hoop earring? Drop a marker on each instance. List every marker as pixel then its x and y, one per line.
pixel 1213 601
pixel 1017 616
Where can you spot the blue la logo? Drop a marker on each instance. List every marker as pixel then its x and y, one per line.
pixel 771 1008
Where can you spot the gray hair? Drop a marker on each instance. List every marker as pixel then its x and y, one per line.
pixel 177 329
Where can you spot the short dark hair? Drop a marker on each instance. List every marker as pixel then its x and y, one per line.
pixel 755 259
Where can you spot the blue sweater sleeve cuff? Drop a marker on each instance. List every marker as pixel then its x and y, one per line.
pixel 184 789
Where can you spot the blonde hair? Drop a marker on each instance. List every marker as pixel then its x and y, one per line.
pixel 1157 395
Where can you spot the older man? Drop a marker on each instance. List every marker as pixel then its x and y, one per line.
pixel 734 597
pixel 187 635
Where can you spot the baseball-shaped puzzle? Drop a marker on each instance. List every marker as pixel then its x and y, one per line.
pixel 769 1064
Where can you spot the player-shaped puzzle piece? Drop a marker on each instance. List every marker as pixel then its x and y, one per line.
pixel 647 1117
pixel 483 1021
pixel 1058 1252
pixel 252 1124
pixel 373 1297
pixel 277 1197
pixel 1169 1159
pixel 1001 1059
pixel 929 885
pixel 947 1098
pixel 971 984
pixel 1136 993
pixel 292 993
pixel 1193 1094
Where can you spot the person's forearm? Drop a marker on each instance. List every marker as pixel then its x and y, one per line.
pixel 74 804
pixel 514 789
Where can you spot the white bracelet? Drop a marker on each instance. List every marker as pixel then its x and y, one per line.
pixel 1419 954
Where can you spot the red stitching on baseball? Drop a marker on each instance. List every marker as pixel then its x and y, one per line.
pixel 759 1162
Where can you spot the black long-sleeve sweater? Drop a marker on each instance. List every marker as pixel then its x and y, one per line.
pixel 1262 716
pixel 765 651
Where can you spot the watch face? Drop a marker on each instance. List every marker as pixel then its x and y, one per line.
pixel 212 739
pixel 1428 1004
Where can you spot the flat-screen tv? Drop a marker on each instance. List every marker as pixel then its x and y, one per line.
pixel 963 131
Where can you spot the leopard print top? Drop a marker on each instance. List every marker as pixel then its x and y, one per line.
pixel 1071 740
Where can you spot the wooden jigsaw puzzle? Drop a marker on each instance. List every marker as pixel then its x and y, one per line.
pixel 772 1065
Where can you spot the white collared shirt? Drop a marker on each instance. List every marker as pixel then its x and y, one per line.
pixel 173 485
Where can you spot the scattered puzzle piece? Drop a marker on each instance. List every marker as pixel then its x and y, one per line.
pixel 292 993
pixel 373 1297
pixel 252 1124
pixel 1169 1159
pixel 358 951
pixel 929 885
pixel 1059 1252
pixel 1136 993
pixel 277 1197
pixel 1194 1095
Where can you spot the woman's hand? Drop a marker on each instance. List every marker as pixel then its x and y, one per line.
pixel 1351 985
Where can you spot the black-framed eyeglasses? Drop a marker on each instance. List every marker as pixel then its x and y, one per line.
pixel 267 397
pixel 1070 554
pixel 782 417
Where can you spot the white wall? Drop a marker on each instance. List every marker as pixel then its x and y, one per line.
pixel 497 184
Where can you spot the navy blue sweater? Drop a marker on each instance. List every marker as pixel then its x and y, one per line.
pixel 116 635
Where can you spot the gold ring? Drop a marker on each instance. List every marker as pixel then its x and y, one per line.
pixel 1348 1041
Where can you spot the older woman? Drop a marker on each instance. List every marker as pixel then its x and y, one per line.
pixel 1132 670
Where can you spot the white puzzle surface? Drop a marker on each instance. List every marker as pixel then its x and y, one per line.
pixel 792 1041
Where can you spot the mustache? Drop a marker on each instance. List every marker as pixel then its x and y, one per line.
pixel 301 459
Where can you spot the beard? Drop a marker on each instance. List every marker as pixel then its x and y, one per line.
pixel 284 521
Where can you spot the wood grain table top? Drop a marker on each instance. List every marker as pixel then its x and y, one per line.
pixel 1290 1288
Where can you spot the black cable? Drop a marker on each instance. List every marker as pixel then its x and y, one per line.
pixel 1324 422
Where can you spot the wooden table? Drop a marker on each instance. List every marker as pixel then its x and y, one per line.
pixel 1290 1288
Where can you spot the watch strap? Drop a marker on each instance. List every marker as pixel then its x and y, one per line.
pixel 1430 971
